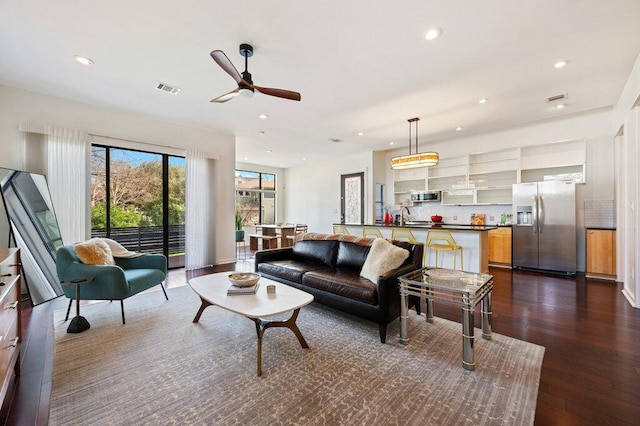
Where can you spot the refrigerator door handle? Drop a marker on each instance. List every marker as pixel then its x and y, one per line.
pixel 534 224
pixel 540 213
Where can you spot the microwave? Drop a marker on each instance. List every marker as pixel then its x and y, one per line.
pixel 426 196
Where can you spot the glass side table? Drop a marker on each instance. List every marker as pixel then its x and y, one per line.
pixel 464 289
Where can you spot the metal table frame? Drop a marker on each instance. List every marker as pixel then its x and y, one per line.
pixel 464 289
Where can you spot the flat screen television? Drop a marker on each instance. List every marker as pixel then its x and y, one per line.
pixel 33 227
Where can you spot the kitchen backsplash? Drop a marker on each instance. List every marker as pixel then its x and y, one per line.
pixel 600 214
pixel 457 214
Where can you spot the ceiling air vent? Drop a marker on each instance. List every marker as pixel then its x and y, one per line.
pixel 557 98
pixel 168 89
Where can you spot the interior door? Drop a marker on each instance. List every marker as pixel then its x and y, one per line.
pixel 352 198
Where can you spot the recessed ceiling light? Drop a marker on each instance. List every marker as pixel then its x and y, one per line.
pixel 360 133
pixel 560 106
pixel 83 60
pixel 263 116
pixel 269 151
pixel 459 128
pixel 246 158
pixel 483 101
pixel 392 143
pixel 560 64
pixel 433 33
pixel 304 158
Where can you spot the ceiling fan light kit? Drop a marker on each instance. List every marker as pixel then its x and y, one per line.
pixel 246 88
pixel 419 159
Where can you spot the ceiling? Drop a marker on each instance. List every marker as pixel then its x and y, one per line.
pixel 361 66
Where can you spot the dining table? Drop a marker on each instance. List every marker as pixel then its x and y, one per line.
pixel 282 231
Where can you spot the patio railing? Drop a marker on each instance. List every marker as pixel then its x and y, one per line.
pixel 146 239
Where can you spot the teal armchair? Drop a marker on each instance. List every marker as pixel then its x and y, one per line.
pixel 127 277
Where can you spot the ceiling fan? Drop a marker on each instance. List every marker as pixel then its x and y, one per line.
pixel 245 83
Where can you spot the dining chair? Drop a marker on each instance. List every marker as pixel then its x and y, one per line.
pixel 298 229
pixel 403 234
pixel 371 231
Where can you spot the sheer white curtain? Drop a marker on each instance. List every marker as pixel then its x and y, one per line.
pixel 199 221
pixel 68 177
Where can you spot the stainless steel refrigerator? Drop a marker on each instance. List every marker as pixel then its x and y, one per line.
pixel 544 226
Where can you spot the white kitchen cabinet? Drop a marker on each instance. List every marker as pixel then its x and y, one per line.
pixel 487 178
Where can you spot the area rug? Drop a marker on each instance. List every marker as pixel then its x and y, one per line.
pixel 161 368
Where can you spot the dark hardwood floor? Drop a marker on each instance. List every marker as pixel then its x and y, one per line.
pixel 590 373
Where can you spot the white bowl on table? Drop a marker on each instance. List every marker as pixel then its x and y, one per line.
pixel 244 279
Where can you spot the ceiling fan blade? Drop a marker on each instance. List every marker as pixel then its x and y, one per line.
pixel 226 97
pixel 224 62
pixel 280 93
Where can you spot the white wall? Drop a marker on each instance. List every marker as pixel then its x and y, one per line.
pixel 626 115
pixel 21 106
pixel 312 191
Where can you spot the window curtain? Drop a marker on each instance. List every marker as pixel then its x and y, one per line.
pixel 199 221
pixel 68 178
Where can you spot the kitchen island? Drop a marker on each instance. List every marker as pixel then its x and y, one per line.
pixel 473 239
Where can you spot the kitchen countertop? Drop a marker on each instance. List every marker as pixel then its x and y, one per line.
pixel 429 225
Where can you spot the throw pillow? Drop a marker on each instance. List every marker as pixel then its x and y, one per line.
pixel 94 252
pixel 382 258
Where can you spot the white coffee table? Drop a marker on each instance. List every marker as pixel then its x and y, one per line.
pixel 212 290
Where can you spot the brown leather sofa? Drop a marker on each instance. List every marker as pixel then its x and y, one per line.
pixel 328 266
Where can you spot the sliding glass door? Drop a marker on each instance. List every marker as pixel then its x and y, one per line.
pixel 137 199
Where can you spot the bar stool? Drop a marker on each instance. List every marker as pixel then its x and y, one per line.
pixel 340 229
pixel 371 231
pixel 403 234
pixel 442 240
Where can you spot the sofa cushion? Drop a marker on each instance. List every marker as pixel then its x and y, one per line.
pixel 142 279
pixel 291 270
pixel 344 282
pixel 94 252
pixel 351 255
pixel 382 258
pixel 316 251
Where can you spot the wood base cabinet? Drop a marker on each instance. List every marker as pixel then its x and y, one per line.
pixel 601 253
pixel 500 247
pixel 10 318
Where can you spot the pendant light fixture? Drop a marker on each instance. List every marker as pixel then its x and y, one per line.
pixel 419 159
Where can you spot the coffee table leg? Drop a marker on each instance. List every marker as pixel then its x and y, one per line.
pixel 428 307
pixel 260 331
pixel 467 336
pixel 404 313
pixel 262 325
pixel 486 317
pixel 204 305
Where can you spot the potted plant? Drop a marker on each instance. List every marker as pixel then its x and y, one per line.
pixel 239 230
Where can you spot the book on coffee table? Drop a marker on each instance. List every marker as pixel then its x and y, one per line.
pixel 234 289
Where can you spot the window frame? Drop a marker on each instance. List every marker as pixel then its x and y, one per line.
pixel 261 193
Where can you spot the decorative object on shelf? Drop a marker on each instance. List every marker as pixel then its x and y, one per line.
pixel 436 218
pixel 419 159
